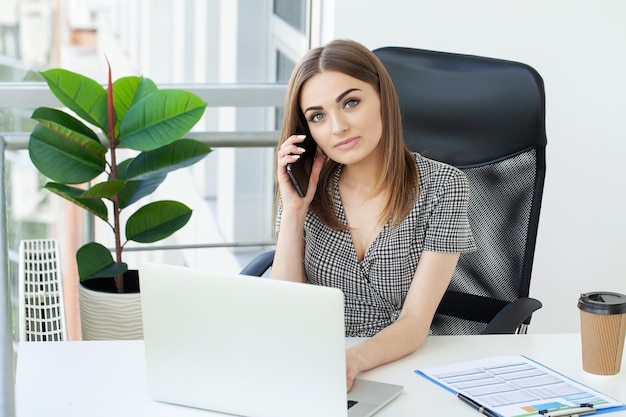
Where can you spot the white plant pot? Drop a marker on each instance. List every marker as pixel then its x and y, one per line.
pixel 110 316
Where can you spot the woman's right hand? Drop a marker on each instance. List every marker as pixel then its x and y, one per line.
pixel 289 152
pixel 289 257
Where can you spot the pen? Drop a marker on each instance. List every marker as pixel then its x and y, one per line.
pixel 570 412
pixel 482 410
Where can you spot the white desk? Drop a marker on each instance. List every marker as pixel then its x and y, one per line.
pixel 108 378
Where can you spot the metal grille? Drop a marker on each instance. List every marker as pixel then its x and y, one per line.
pixel 42 312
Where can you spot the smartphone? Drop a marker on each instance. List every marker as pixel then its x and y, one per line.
pixel 300 171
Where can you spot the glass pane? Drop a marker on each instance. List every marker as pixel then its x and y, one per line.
pixel 180 41
pixel 293 12
pixel 284 67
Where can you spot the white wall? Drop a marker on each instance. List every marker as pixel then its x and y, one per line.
pixel 579 47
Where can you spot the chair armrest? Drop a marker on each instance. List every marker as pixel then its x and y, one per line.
pixel 511 317
pixel 259 265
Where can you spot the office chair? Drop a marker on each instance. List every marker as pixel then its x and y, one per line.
pixel 486 117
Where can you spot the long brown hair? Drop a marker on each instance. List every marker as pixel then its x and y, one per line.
pixel 399 174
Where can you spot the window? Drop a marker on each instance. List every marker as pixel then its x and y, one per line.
pixel 293 12
pixel 191 42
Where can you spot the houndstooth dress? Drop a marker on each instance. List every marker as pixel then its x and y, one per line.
pixel 375 288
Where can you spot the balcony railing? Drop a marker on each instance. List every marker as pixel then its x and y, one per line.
pixel 32 95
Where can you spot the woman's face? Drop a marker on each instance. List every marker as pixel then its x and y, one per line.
pixel 343 115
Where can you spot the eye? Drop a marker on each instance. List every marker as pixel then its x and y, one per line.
pixel 351 103
pixel 316 117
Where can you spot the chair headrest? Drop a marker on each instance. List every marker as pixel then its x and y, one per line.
pixel 466 110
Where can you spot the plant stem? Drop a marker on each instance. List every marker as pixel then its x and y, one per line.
pixel 119 279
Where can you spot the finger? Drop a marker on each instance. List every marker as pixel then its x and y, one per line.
pixel 316 169
pixel 293 140
pixel 290 156
pixel 349 381
pixel 298 138
pixel 291 153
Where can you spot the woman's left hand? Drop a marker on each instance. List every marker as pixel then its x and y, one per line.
pixel 352 367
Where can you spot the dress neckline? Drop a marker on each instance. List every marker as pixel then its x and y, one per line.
pixel 341 215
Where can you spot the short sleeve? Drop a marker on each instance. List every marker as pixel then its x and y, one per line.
pixel 448 225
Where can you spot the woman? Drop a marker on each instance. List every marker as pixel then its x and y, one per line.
pixel 384 225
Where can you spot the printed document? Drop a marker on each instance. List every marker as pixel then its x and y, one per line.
pixel 516 386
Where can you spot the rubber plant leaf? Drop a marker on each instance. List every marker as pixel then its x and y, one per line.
pixel 180 154
pixel 134 190
pixel 75 195
pixel 60 121
pixel 127 91
pixel 81 94
pixel 156 221
pixel 96 261
pixel 62 153
pixel 160 119
pixel 107 189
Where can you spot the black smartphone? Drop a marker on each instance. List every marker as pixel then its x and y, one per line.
pixel 300 171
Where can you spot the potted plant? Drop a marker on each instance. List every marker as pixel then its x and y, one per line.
pixel 131 113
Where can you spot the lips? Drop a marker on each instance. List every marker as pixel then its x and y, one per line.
pixel 347 143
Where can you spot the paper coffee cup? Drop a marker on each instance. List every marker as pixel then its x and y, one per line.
pixel 602 330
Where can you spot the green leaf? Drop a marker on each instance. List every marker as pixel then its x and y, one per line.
pixel 81 94
pixel 157 221
pixel 122 167
pixel 56 119
pixel 66 159
pixel 135 190
pixel 75 195
pixel 96 261
pixel 160 119
pixel 108 189
pixel 180 154
pixel 129 90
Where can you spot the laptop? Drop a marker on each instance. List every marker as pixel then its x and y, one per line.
pixel 249 346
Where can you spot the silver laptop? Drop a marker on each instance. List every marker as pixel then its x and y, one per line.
pixel 249 346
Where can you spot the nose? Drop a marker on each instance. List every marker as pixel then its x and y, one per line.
pixel 340 124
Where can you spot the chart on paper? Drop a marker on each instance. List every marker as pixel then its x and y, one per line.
pixel 516 386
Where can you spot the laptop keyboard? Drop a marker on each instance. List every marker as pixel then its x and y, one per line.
pixel 351 403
